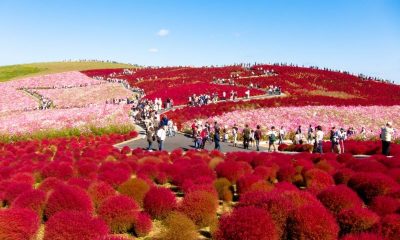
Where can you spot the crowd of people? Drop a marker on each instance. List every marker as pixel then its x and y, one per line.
pixel 251 138
pixel 147 114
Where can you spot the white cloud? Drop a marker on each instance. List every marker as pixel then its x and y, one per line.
pixel 153 50
pixel 163 32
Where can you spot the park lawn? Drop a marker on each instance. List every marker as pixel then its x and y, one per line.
pixel 12 72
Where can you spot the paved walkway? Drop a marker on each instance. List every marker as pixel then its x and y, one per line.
pixel 181 141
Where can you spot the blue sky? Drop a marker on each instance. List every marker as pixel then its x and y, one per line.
pixel 361 36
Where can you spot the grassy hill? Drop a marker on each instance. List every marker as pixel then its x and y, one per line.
pixel 12 72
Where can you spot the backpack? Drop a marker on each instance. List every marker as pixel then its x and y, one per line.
pixel 246 133
pixel 272 137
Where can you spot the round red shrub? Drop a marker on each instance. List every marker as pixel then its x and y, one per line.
pixel 18 224
pixel 356 220
pixel 200 207
pixel 317 180
pixel 135 188
pixel 143 224
pixel 383 205
pixel 15 189
pixel 119 212
pixel 99 191
pixel 49 184
pixel 342 176
pixel 371 185
pixel 72 225
pixel 248 223
pixel 65 197
pixel 362 236
pixel 275 204
pixel 312 222
pixel 390 226
pixel 245 182
pixel 339 197
pixel 114 173
pixel 232 170
pixel 159 202
pixel 60 170
pixel 33 199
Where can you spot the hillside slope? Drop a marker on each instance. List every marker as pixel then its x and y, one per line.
pixel 12 72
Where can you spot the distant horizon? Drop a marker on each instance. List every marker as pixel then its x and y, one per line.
pixel 359 37
pixel 215 65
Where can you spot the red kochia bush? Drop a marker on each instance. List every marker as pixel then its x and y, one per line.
pixel 60 170
pixel 390 226
pixel 200 207
pixel 248 223
pixel 362 236
pixel 119 212
pixel 339 197
pixel 384 205
pixel 143 224
pixel 33 199
pixel 65 197
pixel 317 180
pixel 312 222
pixel 18 224
pixel 72 225
pixel 99 192
pixel 159 202
pixel 15 189
pixel 233 170
pixel 370 185
pixel 114 173
pixel 356 220
pixel 275 204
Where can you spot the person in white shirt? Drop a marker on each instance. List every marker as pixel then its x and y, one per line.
pixel 319 137
pixel 161 135
pixel 342 136
pixel 271 139
pixel 386 137
pixel 281 135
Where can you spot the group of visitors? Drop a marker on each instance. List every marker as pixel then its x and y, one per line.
pixel 274 90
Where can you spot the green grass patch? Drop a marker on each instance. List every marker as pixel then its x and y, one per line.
pixel 87 130
pixel 13 72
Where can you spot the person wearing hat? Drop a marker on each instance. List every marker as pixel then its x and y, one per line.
pixel 386 137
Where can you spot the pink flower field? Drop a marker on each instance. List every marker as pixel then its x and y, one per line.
pixel 370 117
pixel 84 96
pixel 100 115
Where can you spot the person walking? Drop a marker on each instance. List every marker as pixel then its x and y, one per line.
pixel 319 138
pixel 161 135
pixel 386 137
pixel 204 137
pixel 310 134
pixel 235 134
pixel 246 136
pixel 334 138
pixel 342 138
pixel 150 137
pixel 281 135
pixel 217 137
pixel 258 137
pixel 271 139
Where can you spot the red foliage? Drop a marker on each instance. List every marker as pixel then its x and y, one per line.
pixel 18 224
pixel 99 192
pixel 390 226
pixel 159 202
pixel 72 225
pixel 246 182
pixel 15 189
pixel 317 180
pixel 114 173
pixel 363 236
pixel 71 198
pixel 143 225
pixel 356 220
pixel 119 212
pixel 60 170
pixel 33 199
pixel 338 198
pixel 342 176
pixel 233 170
pixel 248 223
pixel 384 205
pixel 312 222
pixel 200 207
